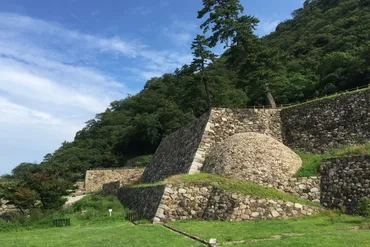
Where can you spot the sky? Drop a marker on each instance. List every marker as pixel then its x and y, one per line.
pixel 62 62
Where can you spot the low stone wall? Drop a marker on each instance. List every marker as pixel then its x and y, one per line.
pixel 183 201
pixel 344 181
pixel 328 123
pixel 237 207
pixel 203 201
pixel 307 188
pixel 4 207
pixel 111 188
pixel 144 200
pixel 94 179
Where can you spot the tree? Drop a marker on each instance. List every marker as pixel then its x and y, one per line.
pixel 18 195
pixel 202 56
pixel 229 27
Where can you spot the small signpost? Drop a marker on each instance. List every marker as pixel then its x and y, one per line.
pixel 110 211
pixel 212 242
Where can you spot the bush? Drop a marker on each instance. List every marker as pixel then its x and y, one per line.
pixel 364 208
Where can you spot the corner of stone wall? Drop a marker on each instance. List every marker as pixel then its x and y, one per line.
pixel 204 146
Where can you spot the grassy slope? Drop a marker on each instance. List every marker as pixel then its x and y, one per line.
pixel 99 235
pixel 319 227
pixel 312 162
pixel 92 228
pixel 231 185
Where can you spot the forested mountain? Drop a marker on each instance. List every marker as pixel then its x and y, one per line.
pixel 324 48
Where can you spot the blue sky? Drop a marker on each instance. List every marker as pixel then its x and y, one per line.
pixel 61 62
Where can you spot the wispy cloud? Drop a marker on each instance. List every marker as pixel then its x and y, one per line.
pixel 55 77
pixel 266 27
pixel 181 33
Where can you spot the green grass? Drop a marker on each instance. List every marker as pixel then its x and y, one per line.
pixel 312 162
pixel 91 225
pixel 319 226
pixel 140 161
pixel 231 185
pixel 95 228
pixel 99 235
pixel 332 239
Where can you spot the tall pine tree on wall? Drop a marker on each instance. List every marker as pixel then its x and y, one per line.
pixel 202 56
pixel 228 26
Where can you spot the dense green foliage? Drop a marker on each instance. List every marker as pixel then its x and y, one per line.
pixel 36 186
pixel 325 48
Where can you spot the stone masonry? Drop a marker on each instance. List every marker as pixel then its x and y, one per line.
pixel 190 145
pixel 95 179
pixel 328 123
pixel 204 201
pixel 344 181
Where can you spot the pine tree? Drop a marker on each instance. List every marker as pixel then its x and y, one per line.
pixel 202 56
pixel 230 27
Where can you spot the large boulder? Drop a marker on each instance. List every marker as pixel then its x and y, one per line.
pixel 255 157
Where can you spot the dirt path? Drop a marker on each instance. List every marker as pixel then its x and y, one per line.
pixel 72 200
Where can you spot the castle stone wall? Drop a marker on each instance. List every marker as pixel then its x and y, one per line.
pixel 176 152
pixel 328 123
pixel 144 200
pixel 185 150
pixel 344 181
pixel 203 201
pixel 95 179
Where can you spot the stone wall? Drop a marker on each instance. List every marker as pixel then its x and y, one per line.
pixel 183 201
pixel 307 188
pixel 237 207
pixel 191 201
pixel 144 200
pixel 189 146
pixel 328 123
pixel 4 207
pixel 224 122
pixel 344 181
pixel 176 152
pixel 94 179
pixel 227 122
pixel 203 201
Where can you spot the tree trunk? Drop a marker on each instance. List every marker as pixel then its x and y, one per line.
pixel 270 97
pixel 202 80
pixel 208 94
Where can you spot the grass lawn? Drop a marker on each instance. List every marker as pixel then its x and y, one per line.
pixel 316 229
pixel 99 235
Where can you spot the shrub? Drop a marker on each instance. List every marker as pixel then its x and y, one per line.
pixel 364 208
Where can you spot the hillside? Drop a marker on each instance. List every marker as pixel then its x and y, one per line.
pixel 324 49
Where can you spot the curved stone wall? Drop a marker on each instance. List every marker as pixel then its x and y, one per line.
pixel 255 157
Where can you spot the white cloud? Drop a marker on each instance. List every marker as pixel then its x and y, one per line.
pixel 181 33
pixel 13 23
pixel 266 27
pixel 52 81
pixel 12 113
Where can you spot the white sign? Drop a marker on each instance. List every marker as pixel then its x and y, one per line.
pixel 110 212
